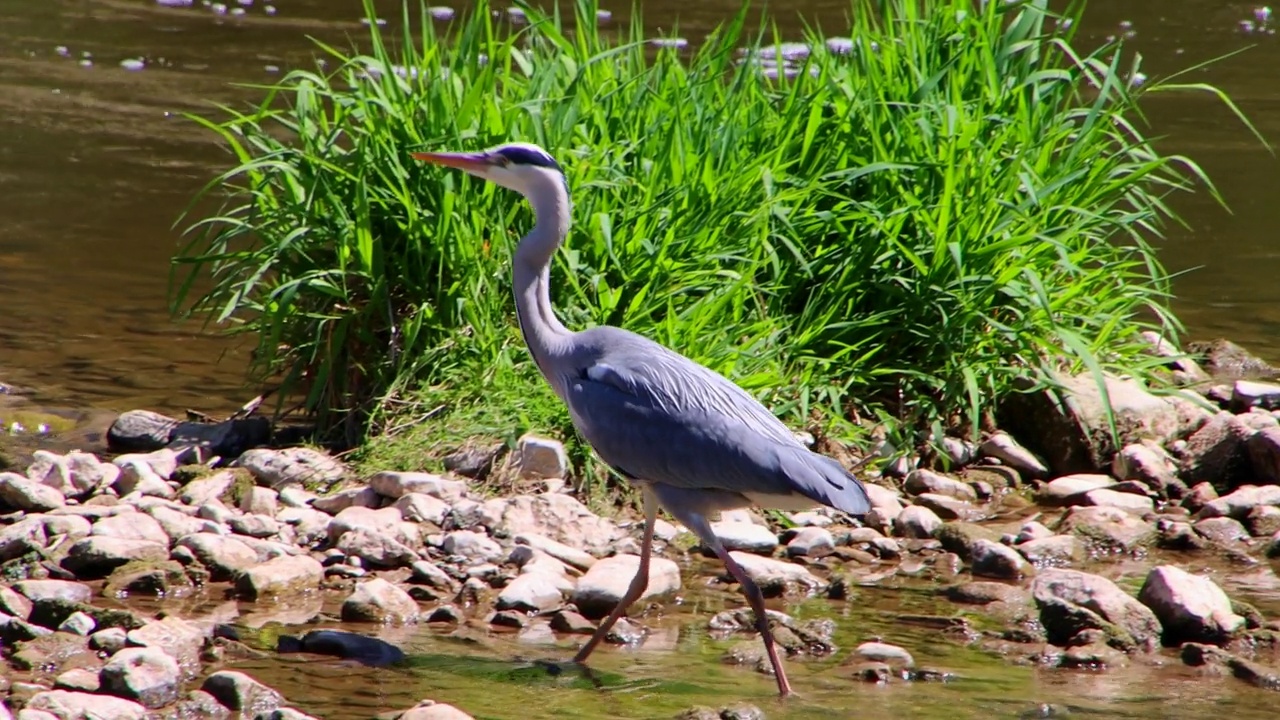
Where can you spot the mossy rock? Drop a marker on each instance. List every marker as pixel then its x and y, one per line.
pixel 239 488
pixel 52 611
pixel 1063 621
pixel 959 536
pixel 187 473
pixel 161 578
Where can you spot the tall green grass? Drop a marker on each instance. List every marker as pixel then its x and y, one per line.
pixel 896 233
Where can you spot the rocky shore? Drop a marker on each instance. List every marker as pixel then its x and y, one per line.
pixel 1028 528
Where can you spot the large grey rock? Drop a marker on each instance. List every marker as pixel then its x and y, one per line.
pixel 138 476
pixel 394 485
pixel 309 526
pixel 224 556
pixel 254 526
pixel 134 526
pixel 140 431
pixel 379 601
pixel 530 592
pixel 71 705
pixel 927 481
pixel 1100 596
pixel 27 495
pixel 745 536
pixel 1071 431
pixel 179 639
pixel 163 462
pixel 553 515
pixel 1264 455
pixel 335 503
pixel 292 466
pixel 917 522
pixel 1191 608
pixel 237 691
pixel 97 556
pixel 777 577
pixel 1218 453
pixel 1108 527
pixel 539 457
pixel 1238 503
pixel 1003 447
pixel 992 559
pixel 202 490
pixel 376 548
pixel 25 536
pixel 811 542
pixel 1151 465
pixel 281 578
pixel 603 586
pixel 147 675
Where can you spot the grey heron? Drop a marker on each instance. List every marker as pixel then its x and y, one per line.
pixel 691 440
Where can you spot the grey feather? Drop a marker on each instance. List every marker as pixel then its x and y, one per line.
pixel 657 416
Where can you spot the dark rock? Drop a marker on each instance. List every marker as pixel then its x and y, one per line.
pixel 345 645
pixel 1263 521
pixel 161 579
pixel 1196 654
pixel 1218 453
pixel 1264 455
pixel 14 630
pixel 1226 360
pixel 140 431
pixel 52 612
pixel 237 691
pixel 568 621
pixel 474 461
pixel 227 439
pixel 508 618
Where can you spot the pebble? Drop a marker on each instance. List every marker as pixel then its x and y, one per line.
pixel 745 536
pixel 811 542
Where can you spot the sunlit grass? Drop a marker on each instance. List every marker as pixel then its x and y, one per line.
pixel 894 234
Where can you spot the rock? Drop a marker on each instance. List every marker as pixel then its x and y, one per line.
pixel 379 601
pixel 1263 521
pixel 885 653
pixel 138 476
pixel 140 431
pixel 553 515
pixel 959 537
pixel 1107 527
pixel 70 705
pixel 225 557
pixel 949 508
pixel 569 622
pixel 1222 530
pixel 1218 453
pixel 1032 530
pixel 1150 465
pixel 98 556
pixel 237 691
pixel 531 593
pixel 163 463
pixel 1004 448
pixel 1247 394
pixel 283 577
pixel 23 537
pixel 926 481
pixel 602 587
pixel 399 484
pixel 78 679
pixel 146 675
pixel 420 507
pixel 1129 502
pixel 1053 551
pixel 1063 490
pixel 198 492
pixel 992 559
pixel 178 638
pixel 134 526
pixel 77 623
pixel 26 495
pixel 432 710
pixel 361 497
pixel 292 466
pixel 13 603
pixel 811 542
pixel 285 713
pixel 1191 608
pixel 1225 359
pixel 376 549
pixel 472 545
pixel 254 526
pixel 426 573
pixel 538 457
pixel 1263 448
pixel 1241 501
pixel 260 501
pixel 777 577
pixel 110 640
pixel 77 474
pixel 474 461
pixel 985 592
pixel 66 590
pixel 568 555
pixel 1100 596
pixel 175 523
pixel 387 522
pixel 346 645
pixel 745 536
pixel 917 522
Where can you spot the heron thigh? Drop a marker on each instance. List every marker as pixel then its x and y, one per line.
pixel 692 506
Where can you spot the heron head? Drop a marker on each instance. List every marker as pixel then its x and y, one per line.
pixel 522 167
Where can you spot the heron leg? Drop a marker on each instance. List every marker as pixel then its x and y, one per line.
pixel 690 507
pixel 638 584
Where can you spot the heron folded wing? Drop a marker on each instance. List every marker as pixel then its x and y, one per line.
pixel 663 433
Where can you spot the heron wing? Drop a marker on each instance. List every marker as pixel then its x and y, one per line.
pixel 660 417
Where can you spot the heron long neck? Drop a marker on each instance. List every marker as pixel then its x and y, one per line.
pixel 543 332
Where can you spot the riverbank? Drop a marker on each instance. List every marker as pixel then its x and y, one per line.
pixel 147 582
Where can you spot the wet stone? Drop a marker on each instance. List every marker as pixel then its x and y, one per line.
pixel 379 601
pixel 570 622
pixel 983 592
pixel 78 679
pixel 77 623
pixel 917 522
pixel 892 655
pixel 991 559
pixel 238 691
pixel 147 675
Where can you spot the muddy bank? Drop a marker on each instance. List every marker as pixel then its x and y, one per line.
pixel 173 581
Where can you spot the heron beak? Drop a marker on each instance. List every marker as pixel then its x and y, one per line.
pixel 471 162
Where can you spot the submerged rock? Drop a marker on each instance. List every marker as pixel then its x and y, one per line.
pixel 237 691
pixel 346 645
